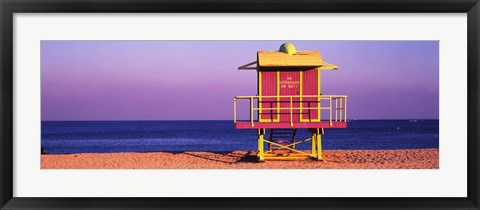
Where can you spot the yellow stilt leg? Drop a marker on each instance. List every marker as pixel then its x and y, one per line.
pixel 317 142
pixel 319 146
pixel 261 133
pixel 314 144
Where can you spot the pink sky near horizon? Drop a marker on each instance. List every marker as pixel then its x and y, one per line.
pixel 196 80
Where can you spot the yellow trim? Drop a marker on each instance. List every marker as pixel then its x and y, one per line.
pixel 286 147
pixel 281 59
pixel 328 66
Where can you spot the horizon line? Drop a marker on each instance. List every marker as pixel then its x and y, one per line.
pixel 209 120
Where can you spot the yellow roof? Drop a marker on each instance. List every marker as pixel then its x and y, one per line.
pixel 328 66
pixel 279 59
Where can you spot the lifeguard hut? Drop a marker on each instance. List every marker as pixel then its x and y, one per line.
pixel 289 98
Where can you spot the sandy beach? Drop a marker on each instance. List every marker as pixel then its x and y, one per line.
pixel 333 159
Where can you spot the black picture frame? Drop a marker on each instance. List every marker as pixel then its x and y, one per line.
pixel 9 7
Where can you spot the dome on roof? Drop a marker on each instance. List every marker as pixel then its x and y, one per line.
pixel 288 48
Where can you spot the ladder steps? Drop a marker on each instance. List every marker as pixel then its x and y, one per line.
pixel 282 135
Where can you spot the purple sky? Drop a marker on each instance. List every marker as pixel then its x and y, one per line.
pixel 196 80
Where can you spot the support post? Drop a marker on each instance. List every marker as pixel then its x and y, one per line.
pixel 345 110
pixel 270 139
pixel 314 145
pixel 341 110
pixel 330 110
pixel 317 142
pixel 234 110
pixel 261 134
pixel 251 110
pixel 336 110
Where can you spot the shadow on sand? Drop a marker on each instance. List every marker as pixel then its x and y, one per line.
pixel 228 157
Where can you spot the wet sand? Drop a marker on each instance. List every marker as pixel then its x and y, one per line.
pixel 333 159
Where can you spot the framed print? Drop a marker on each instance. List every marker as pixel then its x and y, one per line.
pixel 239 105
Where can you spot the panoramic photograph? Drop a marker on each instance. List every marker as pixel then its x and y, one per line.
pixel 282 104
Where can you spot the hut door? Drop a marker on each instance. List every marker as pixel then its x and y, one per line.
pixel 268 89
pixel 310 87
pixel 289 86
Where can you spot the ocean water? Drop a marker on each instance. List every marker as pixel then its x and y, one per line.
pixel 66 137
